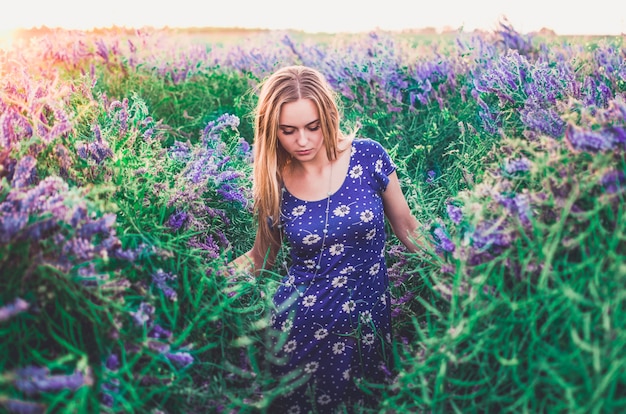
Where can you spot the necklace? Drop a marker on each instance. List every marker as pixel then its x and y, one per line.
pixel 324 234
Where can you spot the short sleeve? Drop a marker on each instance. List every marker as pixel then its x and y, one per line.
pixel 381 164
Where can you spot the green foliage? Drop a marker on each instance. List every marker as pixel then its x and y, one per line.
pixel 122 203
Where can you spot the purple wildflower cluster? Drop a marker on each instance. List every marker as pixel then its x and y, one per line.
pixel 97 150
pixel 211 172
pixel 34 380
pixel 11 309
pixel 44 212
pixel 512 82
pixel 162 280
pixel 604 128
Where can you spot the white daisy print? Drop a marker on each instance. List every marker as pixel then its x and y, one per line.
pixel 366 316
pixel 309 263
pixel 294 409
pixel 286 326
pixel 374 269
pixel 336 249
pixel 324 399
pixel 339 281
pixel 367 216
pixel 356 171
pixel 371 234
pixel 311 367
pixel 378 166
pixel 339 347
pixel 347 270
pixel 291 279
pixel 346 374
pixel 309 300
pixel 321 333
pixel 290 346
pixel 298 210
pixel 310 239
pixel 348 306
pixel 383 298
pixel 342 210
pixel 368 339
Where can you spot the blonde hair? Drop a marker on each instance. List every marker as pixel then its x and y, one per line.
pixel 288 84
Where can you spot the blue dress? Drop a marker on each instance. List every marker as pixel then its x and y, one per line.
pixel 332 318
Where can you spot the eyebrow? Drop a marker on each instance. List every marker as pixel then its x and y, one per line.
pixel 290 126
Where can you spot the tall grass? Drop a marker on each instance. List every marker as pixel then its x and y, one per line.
pixel 125 166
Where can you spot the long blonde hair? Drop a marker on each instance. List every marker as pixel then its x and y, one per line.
pixel 288 84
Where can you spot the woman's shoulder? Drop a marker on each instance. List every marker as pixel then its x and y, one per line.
pixel 368 146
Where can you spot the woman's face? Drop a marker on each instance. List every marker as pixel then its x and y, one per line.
pixel 300 132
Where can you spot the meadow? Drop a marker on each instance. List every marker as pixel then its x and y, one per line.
pixel 125 163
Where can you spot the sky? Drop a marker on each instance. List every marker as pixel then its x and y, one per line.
pixel 565 17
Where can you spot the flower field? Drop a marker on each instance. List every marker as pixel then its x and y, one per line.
pixel 125 165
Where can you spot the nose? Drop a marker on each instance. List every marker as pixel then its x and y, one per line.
pixel 301 139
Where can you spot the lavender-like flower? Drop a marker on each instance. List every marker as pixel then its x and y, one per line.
pixel 214 128
pixel 14 308
pixel 605 139
pixel 25 172
pixel 444 241
pixel 431 175
pixel 158 332
pixel 177 220
pixel 112 362
pixel 516 165
pixel 160 278
pixel 143 314
pixel 180 151
pixel 180 359
pixel 455 213
pixel 613 181
pixel 14 406
pixel 34 380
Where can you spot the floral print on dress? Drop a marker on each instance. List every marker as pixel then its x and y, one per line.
pixel 333 304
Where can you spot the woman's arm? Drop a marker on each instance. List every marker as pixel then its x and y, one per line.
pixel 403 223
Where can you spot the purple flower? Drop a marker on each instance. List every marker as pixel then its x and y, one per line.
pixel 230 193
pixel 180 151
pixel 34 380
pixel 431 176
pixel 113 362
pixel 487 235
pixel 144 313
pixel 180 359
pixel 612 181
pixel 444 241
pixel 210 246
pixel 158 332
pixel 455 213
pixel 22 407
pixel 517 165
pixel 594 140
pixel 16 307
pixel 25 172
pixel 161 279
pixel 213 128
pixel 177 220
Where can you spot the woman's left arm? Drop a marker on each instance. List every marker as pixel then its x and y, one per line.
pixel 403 222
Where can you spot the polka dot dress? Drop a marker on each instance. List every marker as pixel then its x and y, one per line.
pixel 332 318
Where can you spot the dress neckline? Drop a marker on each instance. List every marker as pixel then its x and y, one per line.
pixel 352 150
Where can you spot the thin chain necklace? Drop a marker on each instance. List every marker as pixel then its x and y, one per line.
pixel 324 234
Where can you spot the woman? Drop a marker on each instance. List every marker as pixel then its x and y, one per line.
pixel 325 195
